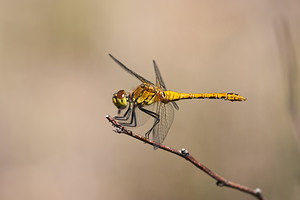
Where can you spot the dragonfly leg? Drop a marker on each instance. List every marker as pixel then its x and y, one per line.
pixel 126 115
pixel 132 122
pixel 152 114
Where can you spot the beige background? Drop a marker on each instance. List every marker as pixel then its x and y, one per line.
pixel 57 80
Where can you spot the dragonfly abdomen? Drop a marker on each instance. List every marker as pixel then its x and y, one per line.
pixel 175 96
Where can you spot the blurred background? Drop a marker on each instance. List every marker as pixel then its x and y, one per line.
pixel 57 80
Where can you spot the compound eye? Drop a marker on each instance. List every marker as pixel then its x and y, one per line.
pixel 120 99
pixel 121 94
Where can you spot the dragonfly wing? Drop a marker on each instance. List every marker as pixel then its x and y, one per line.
pixel 166 116
pixel 130 71
pixel 160 82
pixel 175 105
pixel 142 117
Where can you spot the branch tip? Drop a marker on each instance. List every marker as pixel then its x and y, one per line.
pixel 257 191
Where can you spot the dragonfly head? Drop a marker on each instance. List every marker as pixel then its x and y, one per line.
pixel 120 99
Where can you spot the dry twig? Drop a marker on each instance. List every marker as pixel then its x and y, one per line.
pixel 185 154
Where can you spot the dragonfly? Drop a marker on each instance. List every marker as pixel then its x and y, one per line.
pixel 147 94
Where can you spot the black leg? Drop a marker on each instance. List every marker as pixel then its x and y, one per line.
pixel 152 114
pixel 132 122
pixel 126 115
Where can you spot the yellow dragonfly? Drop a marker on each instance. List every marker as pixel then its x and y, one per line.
pixel 148 94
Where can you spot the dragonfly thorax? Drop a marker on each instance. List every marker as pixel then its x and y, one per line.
pixel 120 99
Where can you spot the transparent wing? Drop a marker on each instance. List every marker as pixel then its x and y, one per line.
pixel 160 82
pixel 166 116
pixel 141 117
pixel 130 71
